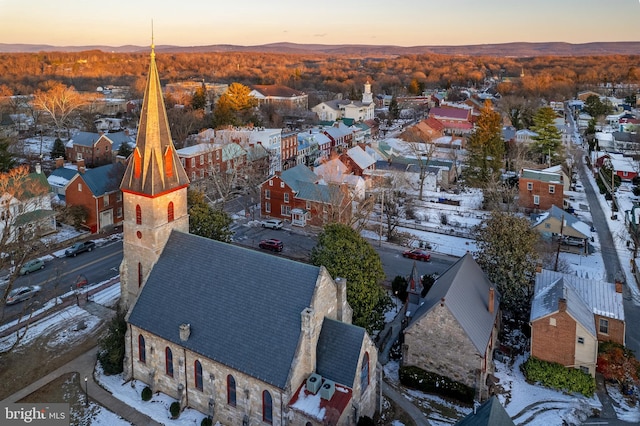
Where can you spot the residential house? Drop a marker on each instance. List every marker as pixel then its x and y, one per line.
pixel 556 221
pixel 298 195
pixel 490 413
pixel 341 137
pixel 457 121
pixel 525 136
pixel 454 330
pixel 566 179
pixel 539 190
pixel 624 167
pixel 95 149
pixel 289 146
pixel 237 334
pixel 571 314
pixel 337 109
pixel 358 161
pixel 279 96
pixel 407 173
pixel 336 171
pixel 97 190
pixel 25 204
pixel 246 137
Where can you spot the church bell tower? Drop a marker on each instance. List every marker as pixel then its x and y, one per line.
pixel 154 190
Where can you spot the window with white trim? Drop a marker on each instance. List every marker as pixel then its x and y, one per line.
pixel 530 186
pixel 604 326
pixel 267 194
pixel 552 189
pixel 286 197
pixel 267 207
pixel 536 200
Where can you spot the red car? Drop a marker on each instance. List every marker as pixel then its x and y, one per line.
pixel 271 244
pixel 417 254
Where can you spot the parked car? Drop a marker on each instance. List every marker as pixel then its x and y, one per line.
pixel 417 254
pixel 80 247
pixel 573 241
pixel 31 266
pixel 271 244
pixel 81 281
pixel 272 223
pixel 22 293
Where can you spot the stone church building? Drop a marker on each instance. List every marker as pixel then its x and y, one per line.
pixel 243 336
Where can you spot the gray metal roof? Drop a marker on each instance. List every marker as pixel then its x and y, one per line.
pixel 317 192
pixel 361 158
pixel 600 296
pixel 464 289
pixel 545 302
pixel 338 351
pixel 570 221
pixel 297 175
pixel 244 306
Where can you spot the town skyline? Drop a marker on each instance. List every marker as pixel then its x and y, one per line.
pixel 411 23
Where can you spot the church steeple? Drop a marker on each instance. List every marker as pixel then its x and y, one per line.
pixel 154 192
pixel 154 167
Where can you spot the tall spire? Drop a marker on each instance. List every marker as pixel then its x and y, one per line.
pixel 154 166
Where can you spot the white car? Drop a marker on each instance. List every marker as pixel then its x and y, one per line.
pixel 272 223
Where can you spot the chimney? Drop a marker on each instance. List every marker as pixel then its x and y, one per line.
pixel 491 297
pixel 538 267
pixel 59 162
pixel 81 167
pixel 341 286
pixel 618 286
pixel 185 332
pixel 562 305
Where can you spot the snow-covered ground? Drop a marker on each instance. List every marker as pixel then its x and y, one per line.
pixel 525 403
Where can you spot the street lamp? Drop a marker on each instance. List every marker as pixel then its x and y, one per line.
pixel 86 392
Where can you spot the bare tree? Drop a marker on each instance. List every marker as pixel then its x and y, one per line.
pixel 60 102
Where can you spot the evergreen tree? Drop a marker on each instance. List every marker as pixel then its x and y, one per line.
pixel 485 149
pixel 124 150
pixel 199 99
pixel 346 254
pixel 112 345
pixel 7 162
pixel 595 107
pixel 507 254
pixel 206 221
pixel 58 150
pixel 394 109
pixel 548 141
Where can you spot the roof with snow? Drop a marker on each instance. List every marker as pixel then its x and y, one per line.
pixel 360 157
pixel 600 296
pixel 571 225
pixel 62 176
pixel 541 175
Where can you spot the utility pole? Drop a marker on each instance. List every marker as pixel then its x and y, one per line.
pixel 381 218
pixel 555 268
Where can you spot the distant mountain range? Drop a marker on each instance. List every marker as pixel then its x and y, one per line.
pixel 518 49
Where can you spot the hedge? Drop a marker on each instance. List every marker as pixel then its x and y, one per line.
pixel 557 376
pixel 434 383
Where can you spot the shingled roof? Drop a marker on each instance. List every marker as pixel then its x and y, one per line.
pixel 338 351
pixel 245 314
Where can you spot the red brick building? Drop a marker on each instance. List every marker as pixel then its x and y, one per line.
pixel 295 195
pixel 96 149
pixel 98 191
pixel 207 159
pixel 571 315
pixel 539 190
pixel 289 147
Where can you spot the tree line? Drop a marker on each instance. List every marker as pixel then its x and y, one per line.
pixel 544 76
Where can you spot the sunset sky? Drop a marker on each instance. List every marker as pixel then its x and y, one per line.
pixel 253 22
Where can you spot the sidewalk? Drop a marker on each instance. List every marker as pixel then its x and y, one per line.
pixel 84 366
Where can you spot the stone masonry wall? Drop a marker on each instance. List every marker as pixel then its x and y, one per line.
pixel 436 343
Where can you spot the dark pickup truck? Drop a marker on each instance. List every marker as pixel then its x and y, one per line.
pixel 79 247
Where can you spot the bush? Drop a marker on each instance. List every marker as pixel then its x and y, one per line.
pixel 616 362
pixel 174 409
pixel 434 383
pixel 557 376
pixel 366 421
pixel 111 354
pixel 146 393
pixel 207 421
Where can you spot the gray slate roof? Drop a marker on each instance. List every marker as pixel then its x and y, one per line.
pixel 545 302
pixel 465 290
pixel 101 180
pixel 338 351
pixel 490 413
pixel 243 305
pixel 297 175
